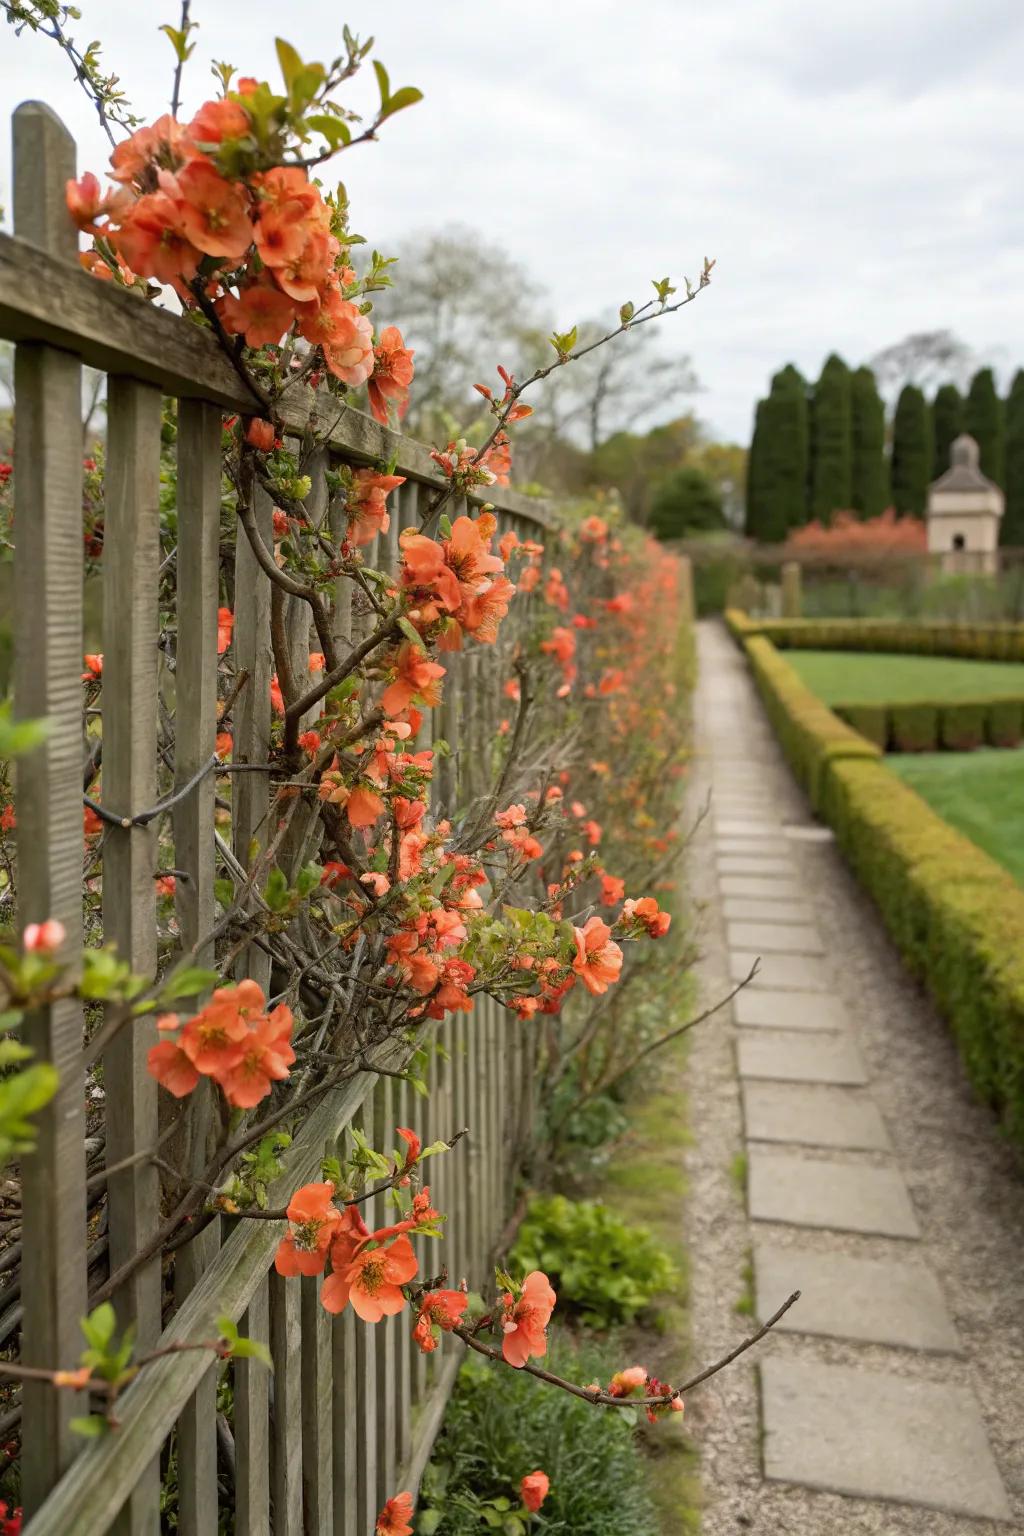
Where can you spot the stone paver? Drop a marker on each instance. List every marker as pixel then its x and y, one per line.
pixel 880 1436
pixel 797 972
pixel 755 864
pixel 760 885
pixel 780 938
pixel 755 909
pixel 813 1115
pixel 810 834
pixel 764 1007
pixel 739 847
pixel 769 827
pixel 801 1057
pixel 815 1192
pixel 875 1301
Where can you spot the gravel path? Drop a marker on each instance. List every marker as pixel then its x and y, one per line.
pixel 966 1189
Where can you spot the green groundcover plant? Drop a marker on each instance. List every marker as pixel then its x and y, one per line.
pixel 606 1270
pixel 501 1425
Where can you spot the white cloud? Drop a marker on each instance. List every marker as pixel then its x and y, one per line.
pixel 855 171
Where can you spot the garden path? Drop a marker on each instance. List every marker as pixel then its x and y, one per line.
pixel 837 1151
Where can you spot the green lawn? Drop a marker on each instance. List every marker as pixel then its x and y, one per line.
pixel 980 793
pixel 865 677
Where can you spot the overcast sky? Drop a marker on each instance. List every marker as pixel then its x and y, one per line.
pixel 855 169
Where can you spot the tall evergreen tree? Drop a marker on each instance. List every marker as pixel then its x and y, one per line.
pixel 947 424
pixel 754 519
pixel 777 476
pixel 870 471
pixel 1012 531
pixel 831 441
pixel 911 451
pixel 983 419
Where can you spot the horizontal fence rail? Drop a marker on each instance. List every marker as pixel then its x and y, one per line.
pixel 348 1414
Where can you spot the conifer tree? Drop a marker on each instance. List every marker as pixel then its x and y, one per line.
pixel 870 472
pixel 947 424
pixel 983 419
pixel 754 519
pixel 1012 531
pixel 831 442
pixel 911 452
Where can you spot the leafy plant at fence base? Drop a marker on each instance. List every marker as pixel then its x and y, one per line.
pixel 605 1270
pixel 500 1426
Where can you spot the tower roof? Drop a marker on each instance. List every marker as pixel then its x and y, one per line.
pixel 964 473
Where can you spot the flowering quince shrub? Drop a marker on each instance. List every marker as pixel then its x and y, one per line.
pixel 536 894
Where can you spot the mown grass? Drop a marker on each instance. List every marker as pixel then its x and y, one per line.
pixel 980 793
pixel 857 677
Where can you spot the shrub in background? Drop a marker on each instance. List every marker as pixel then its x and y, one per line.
pixel 962 725
pixel 871 720
pixel 604 1270
pixel 911 451
pixel 686 501
pixel 1005 724
pixel 915 727
pixel 501 1425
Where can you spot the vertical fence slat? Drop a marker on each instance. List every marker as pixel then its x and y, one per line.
pixel 195 679
pixel 344 1400
pixel 197 1426
pixel 252 1424
pixel 286 1439
pixel 47 671
pixel 386 1428
pixel 250 792
pixel 317 1470
pixel 131 553
pixel 403 1324
pixel 367 1373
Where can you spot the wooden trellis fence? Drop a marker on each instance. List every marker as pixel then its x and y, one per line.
pixel 348 1415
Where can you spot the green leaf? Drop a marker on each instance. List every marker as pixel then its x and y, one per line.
pixel 408 96
pixel 410 632
pixel 383 82
pixel 334 129
pixel 188 981
pixel 275 893
pixel 444 526
pixel 228 1330
pixel 179 40
pixel 252 1349
pixel 224 891
pixel 99 1326
pixel 428 1522
pixel 91 1426
pixel 290 62
pixel 21 736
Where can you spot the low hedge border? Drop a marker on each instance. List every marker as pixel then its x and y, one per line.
pixel 811 735
pixel 929 727
pixel 979 642
pixel 956 915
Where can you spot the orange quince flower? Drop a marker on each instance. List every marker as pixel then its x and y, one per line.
pixel 533 1490
pixel 525 1320
pixel 372 1281
pixel 394 1518
pixel 415 676
pixel 392 374
pixel 266 1056
pixel 214 212
pixel 314 1220
pixel 440 1312
pixel 598 959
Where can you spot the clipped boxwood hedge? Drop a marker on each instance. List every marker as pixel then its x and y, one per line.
pixel 811 735
pixel 983 642
pixel 927 727
pixel 955 914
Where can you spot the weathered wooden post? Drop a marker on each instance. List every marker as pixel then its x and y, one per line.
pixel 47 685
